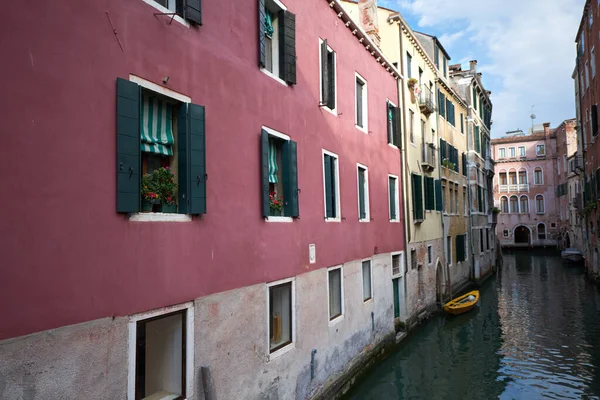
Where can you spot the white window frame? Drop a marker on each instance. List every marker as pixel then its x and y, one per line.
pixel 365 104
pixel 537 152
pixel 511 151
pixel 520 205
pixel 284 137
pixel 400 254
pixel 397 219
pixel 389 102
pixel 522 153
pixel 341 316
pixel 278 353
pixel 189 345
pixel 511 210
pixel 168 10
pixel 545 231
pixel 429 254
pixel 587 74
pixel 338 206
pixel 502 152
pixel 367 203
pixel 329 49
pixel 275 73
pixel 370 299
pixel 543 202
pixel 542 175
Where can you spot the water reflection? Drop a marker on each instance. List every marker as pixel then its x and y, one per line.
pixel 535 334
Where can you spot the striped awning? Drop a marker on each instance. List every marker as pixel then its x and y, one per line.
pixel 272 162
pixel 157 126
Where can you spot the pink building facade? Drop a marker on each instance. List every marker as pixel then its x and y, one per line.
pixel 259 300
pixel 525 188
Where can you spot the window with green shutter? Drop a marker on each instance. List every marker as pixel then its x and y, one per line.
pixel 417 194
pixel 190 10
pixel 330 173
pixel 279 175
pixel 363 194
pixel 277 40
pixel 443 150
pixel 429 193
pixel 464 164
pixel 328 76
pixel 442 103
pixel 438 195
pixel 479 199
pixel 393 195
pixel 393 118
pixel 477 139
pixel 148 154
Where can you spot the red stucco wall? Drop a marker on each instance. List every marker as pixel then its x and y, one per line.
pixel 67 256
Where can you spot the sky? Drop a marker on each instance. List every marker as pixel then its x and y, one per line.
pixel 525 50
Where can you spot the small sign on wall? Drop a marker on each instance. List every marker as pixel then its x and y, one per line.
pixel 312 253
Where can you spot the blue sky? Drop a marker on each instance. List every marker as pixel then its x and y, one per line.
pixel 525 50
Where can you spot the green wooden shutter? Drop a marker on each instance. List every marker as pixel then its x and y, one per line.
pixel 390 126
pixel 443 149
pixel 197 160
pixel 464 164
pixel 476 138
pixel 429 193
pixel 290 179
pixel 361 195
pixel 395 283
pixel 192 10
pixel 262 46
pixel 392 193
pixel 456 158
pixel 287 46
pixel 442 103
pixel 324 73
pixel 183 164
pixel 417 192
pixel 331 86
pixel 264 151
pixel 438 195
pixel 474 97
pixel 448 110
pixel 329 193
pixel 128 146
pixel 397 125
pixel 462 124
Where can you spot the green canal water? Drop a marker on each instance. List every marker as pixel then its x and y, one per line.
pixel 534 335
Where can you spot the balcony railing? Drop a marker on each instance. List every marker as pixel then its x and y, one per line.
pixel 426 100
pixel 428 156
pixel 520 188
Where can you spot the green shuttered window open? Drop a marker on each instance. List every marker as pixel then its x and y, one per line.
pixel 392 193
pixel 330 166
pixel 277 40
pixel 417 194
pixel 429 193
pixel 438 195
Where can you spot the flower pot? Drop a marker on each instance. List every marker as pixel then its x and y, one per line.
pixel 146 206
pixel 169 208
pixel 274 212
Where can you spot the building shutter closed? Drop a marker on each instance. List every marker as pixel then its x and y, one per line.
pixel 287 47
pixel 429 194
pixel 262 47
pixel 196 159
pixel 290 179
pixel 128 146
pixel 438 195
pixel 191 10
pixel 417 189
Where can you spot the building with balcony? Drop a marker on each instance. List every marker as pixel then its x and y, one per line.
pixel 525 187
pixel 587 97
pixel 266 270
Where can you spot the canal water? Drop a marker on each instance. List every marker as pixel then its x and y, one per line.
pixel 534 335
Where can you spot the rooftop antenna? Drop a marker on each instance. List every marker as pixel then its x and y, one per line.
pixel 532 116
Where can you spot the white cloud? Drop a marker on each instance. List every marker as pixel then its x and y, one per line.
pixel 525 50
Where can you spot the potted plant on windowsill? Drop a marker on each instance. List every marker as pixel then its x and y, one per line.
pixel 164 181
pixel 275 204
pixel 149 195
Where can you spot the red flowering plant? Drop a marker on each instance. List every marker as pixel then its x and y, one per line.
pixel 275 202
pixel 149 189
pixel 159 185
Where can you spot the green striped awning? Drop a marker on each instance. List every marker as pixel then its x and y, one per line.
pixel 157 126
pixel 272 162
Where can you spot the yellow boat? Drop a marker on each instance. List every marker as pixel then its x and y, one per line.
pixel 463 303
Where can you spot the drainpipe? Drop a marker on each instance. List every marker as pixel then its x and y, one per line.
pixel 470 133
pixel 405 170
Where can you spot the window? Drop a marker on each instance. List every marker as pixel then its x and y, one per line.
pixel 593 62
pixel 393 124
pixel 565 163
pixel 436 57
pixel 394 198
pixel 462 124
pixel 449 250
pixel 456 211
pixel 503 179
pixel 281 315
pixel 411 125
pixel 514 204
pixel 461 248
pixel 538 176
pixel 163 354
pixel 336 288
pixel 558 165
pixel 417 197
pixel 331 186
pixel 451 202
pixel 505 233
pixel 504 204
pixel 524 205
pixel 587 74
pixel 541 231
pixel 367 281
pixel 445 67
pixel 277 41
pixel 541 150
pixel 408 65
pixel 465 202
pixel 591 18
pixel 413 259
pixel 190 10
pixel 363 193
pixel 444 198
pixel 279 175
pixel 328 76
pixel 481 241
pixel 502 153
pixel 361 103
pixel 539 204
pixel 148 142
pixel 522 177
pixel 429 255
pixel 397 261
pixel 513 154
pixel 487 239
pixel 512 177
pixel 429 193
pixel 521 151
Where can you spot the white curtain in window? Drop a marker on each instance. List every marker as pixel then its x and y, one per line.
pixel 335 293
pixel 366 273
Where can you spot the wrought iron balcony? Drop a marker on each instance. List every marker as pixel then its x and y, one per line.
pixel 428 156
pixel 426 101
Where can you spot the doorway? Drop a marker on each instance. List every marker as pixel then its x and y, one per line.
pixel 522 235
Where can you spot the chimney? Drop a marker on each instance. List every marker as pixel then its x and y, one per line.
pixel 473 65
pixel 367 10
pixel 546 129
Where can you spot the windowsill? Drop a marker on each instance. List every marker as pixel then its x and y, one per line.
pixel 270 74
pixel 394 221
pixel 540 213
pixel 413 145
pixel 281 351
pixel 165 10
pixel 368 301
pixel 365 220
pixel 333 219
pixel 393 146
pixel 275 218
pixel 336 320
pixel 362 129
pixel 160 217
pixel 334 111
